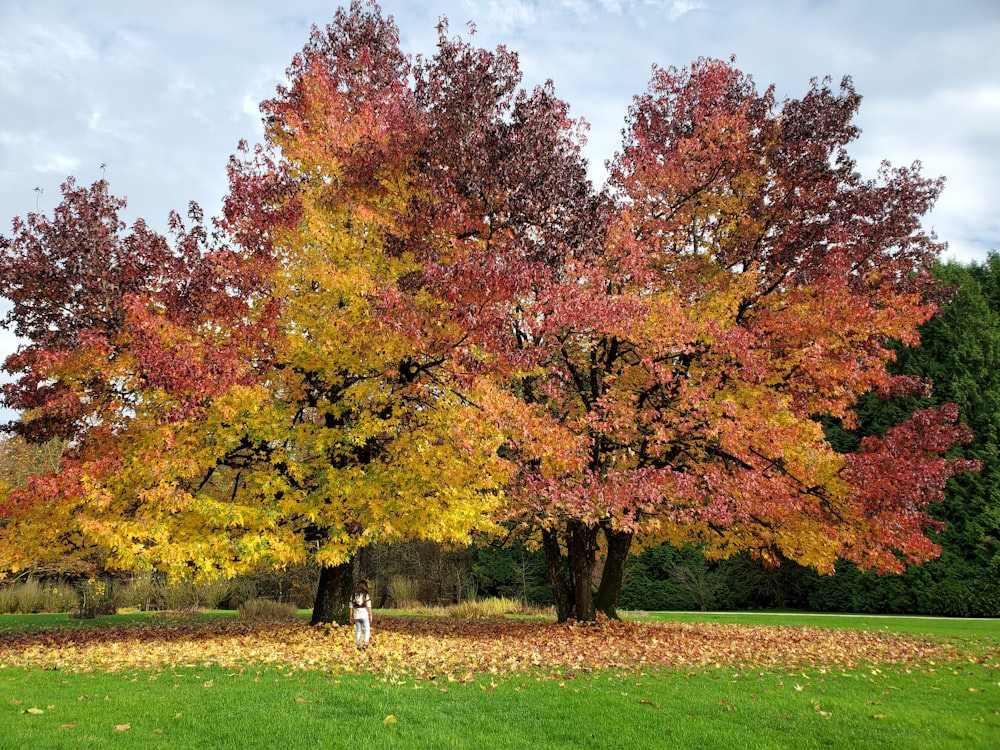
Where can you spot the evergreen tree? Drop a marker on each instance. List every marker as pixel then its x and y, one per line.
pixel 959 355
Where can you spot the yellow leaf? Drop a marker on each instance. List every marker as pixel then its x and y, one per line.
pixel 34 711
pixel 122 727
pixel 390 719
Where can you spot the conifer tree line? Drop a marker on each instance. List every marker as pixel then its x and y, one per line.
pixel 417 320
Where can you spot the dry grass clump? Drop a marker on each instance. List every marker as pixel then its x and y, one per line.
pixel 266 610
pixel 478 609
pixel 31 596
pixel 494 607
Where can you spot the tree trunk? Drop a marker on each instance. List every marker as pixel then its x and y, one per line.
pixel 581 547
pixel 610 590
pixel 332 595
pixel 561 592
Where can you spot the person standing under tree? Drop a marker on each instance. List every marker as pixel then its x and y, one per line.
pixel 361 614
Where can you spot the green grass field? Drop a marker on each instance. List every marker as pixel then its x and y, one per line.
pixel 951 627
pixel 952 703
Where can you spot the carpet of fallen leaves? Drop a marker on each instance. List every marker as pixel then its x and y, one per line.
pixel 455 649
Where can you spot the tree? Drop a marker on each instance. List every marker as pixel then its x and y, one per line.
pixel 380 235
pixel 108 314
pixel 958 355
pixel 21 459
pixel 414 221
pixel 77 281
pixel 751 282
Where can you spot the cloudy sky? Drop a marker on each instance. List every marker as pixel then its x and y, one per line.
pixel 160 93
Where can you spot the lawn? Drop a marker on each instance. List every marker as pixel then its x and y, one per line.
pixel 950 627
pixel 438 683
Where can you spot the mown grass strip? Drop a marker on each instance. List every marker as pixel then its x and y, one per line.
pixel 270 708
pixel 433 683
pixel 949 627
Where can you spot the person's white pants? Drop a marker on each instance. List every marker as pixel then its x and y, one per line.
pixel 362 628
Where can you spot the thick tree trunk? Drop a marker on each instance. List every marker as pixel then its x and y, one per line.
pixel 581 546
pixel 561 592
pixel 610 590
pixel 332 595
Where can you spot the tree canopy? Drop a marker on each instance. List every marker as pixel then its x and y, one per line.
pixel 418 319
pixel 750 283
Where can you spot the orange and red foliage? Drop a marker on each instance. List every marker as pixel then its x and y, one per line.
pixel 751 283
pixel 423 296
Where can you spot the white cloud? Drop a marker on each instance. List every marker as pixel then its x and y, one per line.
pixel 50 46
pixel 59 164
pixel 679 8
pixel 500 15
pixel 250 106
pixel 952 132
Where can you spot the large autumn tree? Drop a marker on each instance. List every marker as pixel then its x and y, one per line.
pixel 378 239
pixel 107 314
pixel 751 282
pixel 409 209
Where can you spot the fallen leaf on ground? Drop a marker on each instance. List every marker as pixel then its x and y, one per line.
pixel 459 650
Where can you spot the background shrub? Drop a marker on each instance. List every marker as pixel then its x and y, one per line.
pixel 32 595
pixel 96 597
pixel 266 610
pixel 8 600
pixel 405 592
pixel 141 591
pixel 491 607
